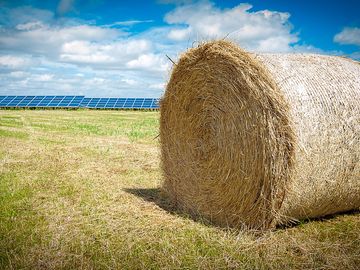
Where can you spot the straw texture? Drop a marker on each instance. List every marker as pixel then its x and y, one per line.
pixel 258 140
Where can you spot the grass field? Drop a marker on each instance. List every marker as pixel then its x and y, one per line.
pixel 80 189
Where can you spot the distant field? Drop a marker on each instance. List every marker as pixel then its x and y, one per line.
pixel 80 189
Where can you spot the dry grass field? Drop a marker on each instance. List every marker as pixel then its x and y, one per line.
pixel 80 190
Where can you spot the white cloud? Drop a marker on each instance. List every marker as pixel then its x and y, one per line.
pixel 48 40
pixel 30 25
pixel 160 86
pixel 13 62
pixel 43 77
pixel 349 35
pixel 130 81
pixel 149 61
pixel 114 54
pixel 77 47
pixel 180 34
pixel 95 80
pixel 18 74
pixel 95 58
pixel 253 30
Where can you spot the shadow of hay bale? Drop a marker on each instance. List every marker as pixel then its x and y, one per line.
pixel 158 197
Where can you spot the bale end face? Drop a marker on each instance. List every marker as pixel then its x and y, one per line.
pixel 226 138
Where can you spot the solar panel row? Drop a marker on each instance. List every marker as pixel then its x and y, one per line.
pixel 77 101
pixel 133 103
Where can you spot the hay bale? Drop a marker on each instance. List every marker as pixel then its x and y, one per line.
pixel 256 140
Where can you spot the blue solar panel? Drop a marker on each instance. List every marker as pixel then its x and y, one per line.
pixel 138 103
pixel 93 102
pixel 84 102
pixel 15 101
pixel 129 103
pixel 25 101
pixel 147 102
pixel 35 101
pixel 111 103
pixel 102 103
pixel 78 102
pixel 65 102
pixel 45 102
pixel 6 101
pixel 120 103
pixel 55 102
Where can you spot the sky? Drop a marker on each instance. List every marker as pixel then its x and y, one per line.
pixel 101 48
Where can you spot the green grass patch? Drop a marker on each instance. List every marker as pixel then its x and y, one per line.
pixel 13 134
pixel 10 122
pixel 18 221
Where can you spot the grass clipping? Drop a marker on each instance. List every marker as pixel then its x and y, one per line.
pixel 258 140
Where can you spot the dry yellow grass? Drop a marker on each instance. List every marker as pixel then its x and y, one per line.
pixel 80 190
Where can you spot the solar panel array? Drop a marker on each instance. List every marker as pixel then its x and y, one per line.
pixel 77 102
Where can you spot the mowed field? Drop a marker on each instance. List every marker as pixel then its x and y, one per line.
pixel 81 190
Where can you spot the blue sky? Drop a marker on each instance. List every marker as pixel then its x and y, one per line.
pixel 118 48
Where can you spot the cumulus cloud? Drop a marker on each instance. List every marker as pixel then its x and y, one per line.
pixel 160 86
pixel 180 34
pixel 261 30
pixel 43 77
pixel 18 74
pixel 14 62
pixel 129 81
pixel 149 61
pixel 113 54
pixel 45 39
pixel 30 25
pixel 349 35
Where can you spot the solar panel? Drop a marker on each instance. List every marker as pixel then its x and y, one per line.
pixel 25 101
pixel 35 101
pixel 15 101
pixel 111 103
pixel 65 102
pixel 147 103
pixel 138 103
pixel 155 103
pixel 84 102
pixel 78 102
pixel 120 103
pixel 6 101
pixel 129 103
pixel 45 101
pixel 102 102
pixel 93 102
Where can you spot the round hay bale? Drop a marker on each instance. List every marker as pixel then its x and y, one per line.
pixel 256 140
